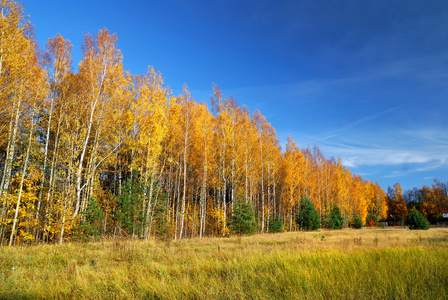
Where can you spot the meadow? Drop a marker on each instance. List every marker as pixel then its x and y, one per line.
pixel 342 264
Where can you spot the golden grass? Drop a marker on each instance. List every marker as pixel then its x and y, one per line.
pixel 344 264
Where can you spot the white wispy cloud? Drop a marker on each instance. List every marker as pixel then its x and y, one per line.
pixel 358 156
pixel 428 151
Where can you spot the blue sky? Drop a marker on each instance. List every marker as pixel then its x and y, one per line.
pixel 366 80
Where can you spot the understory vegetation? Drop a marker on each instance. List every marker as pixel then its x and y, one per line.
pixel 342 264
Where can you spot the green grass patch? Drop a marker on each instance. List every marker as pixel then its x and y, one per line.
pixel 278 266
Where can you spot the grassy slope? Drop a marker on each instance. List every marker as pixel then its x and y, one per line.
pixel 349 264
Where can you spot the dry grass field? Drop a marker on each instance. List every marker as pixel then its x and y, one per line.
pixel 343 264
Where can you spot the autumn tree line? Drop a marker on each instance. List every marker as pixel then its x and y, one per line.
pixel 102 152
pixel 429 200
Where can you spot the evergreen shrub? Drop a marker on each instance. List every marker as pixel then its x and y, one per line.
pixel 416 220
pixel 307 218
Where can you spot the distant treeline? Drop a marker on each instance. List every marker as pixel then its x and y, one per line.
pixel 430 201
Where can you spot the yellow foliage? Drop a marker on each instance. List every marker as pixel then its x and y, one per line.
pixel 220 222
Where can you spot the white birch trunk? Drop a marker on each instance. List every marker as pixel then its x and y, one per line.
pixel 22 179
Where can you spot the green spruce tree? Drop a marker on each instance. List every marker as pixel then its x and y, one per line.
pixel 357 222
pixel 308 218
pixel 129 211
pixel 416 220
pixel 160 219
pixel 335 220
pixel 90 226
pixel 276 225
pixel 243 219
